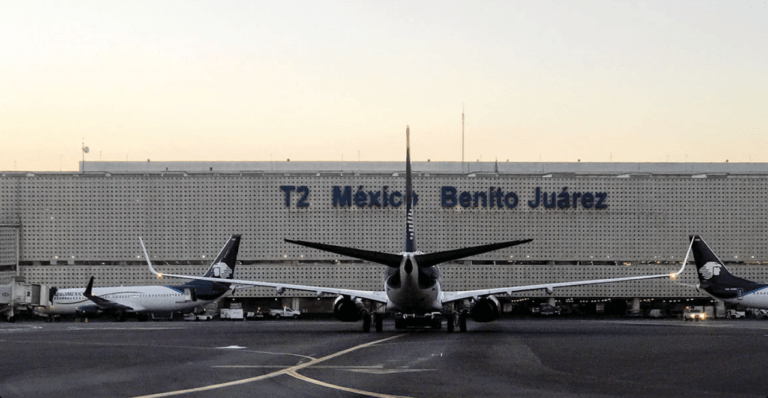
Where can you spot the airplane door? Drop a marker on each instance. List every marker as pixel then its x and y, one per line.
pixel 187 295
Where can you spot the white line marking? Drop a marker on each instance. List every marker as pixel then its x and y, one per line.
pixel 19 329
pixel 232 347
pixel 387 371
pixel 128 328
pixel 269 375
pixel 347 389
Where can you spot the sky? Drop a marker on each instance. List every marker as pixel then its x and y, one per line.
pixel 554 81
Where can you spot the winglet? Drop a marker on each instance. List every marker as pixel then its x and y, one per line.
pixel 88 293
pixel 674 275
pixel 149 263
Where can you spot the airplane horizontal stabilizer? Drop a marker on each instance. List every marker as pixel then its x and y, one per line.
pixel 430 259
pixel 390 260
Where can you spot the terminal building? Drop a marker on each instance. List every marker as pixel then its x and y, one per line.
pixel 587 221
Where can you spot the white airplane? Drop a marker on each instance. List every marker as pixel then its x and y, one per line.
pixel 147 300
pixel 412 290
pixel 716 281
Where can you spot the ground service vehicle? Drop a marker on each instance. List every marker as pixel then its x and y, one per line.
pixel 694 315
pixel 284 313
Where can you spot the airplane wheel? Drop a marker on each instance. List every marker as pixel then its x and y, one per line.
pixel 378 323
pixel 11 319
pixel 366 322
pixel 463 322
pixel 450 323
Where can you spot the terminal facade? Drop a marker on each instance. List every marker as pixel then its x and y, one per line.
pixel 588 221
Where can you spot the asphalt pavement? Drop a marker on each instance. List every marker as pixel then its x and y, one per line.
pixel 324 358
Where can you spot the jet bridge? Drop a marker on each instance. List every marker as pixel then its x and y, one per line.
pixel 20 297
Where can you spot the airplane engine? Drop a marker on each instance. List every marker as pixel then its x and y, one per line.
pixel 346 310
pixel 486 309
pixel 88 310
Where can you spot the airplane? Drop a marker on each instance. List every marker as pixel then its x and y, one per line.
pixel 716 281
pixel 147 300
pixel 413 292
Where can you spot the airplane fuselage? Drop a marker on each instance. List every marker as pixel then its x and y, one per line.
pixel 411 289
pixel 141 298
pixel 757 298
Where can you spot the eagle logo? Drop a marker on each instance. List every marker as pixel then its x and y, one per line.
pixel 709 270
pixel 222 270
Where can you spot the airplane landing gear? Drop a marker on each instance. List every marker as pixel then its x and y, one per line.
pixel 463 321
pixel 366 322
pixel 378 322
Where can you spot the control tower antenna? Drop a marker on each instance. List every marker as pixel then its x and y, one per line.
pixel 462 137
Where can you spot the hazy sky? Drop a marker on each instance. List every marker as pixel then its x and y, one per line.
pixel 558 81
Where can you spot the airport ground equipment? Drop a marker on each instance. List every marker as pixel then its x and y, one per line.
pixel 21 297
pixel 285 312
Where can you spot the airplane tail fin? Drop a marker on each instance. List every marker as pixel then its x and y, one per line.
pixel 713 275
pixel 410 229
pixel 223 266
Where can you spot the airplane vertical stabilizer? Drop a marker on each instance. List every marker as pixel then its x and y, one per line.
pixel 223 266
pixel 714 278
pixel 410 231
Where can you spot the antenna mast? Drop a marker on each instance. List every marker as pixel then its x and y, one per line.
pixel 462 137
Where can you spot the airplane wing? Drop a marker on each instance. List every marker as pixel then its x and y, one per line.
pixel 549 287
pixel 106 304
pixel 449 297
pixel 380 297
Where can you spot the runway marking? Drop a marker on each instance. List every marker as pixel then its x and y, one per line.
pixel 232 347
pixel 270 375
pixel 128 328
pixel 336 387
pixel 387 371
pixel 19 329
pixel 374 370
pixel 282 353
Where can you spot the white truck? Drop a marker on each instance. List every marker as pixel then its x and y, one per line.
pixel 231 314
pixel 734 314
pixel 286 312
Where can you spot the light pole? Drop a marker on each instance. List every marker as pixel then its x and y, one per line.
pixel 85 150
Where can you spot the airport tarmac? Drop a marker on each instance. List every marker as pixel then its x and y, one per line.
pixel 325 358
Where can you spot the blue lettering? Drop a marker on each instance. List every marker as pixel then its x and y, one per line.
pixel 303 200
pixel 342 199
pixel 392 201
pixel 287 189
pixel 509 196
pixel 563 199
pixel 600 199
pixel 361 199
pixel 448 196
pixel 465 199
pixel 481 195
pixel 374 196
pixel 547 204
pixel 576 198
pixel 587 200
pixel 537 198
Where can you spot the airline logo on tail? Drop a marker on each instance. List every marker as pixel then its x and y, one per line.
pixel 709 270
pixel 222 270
